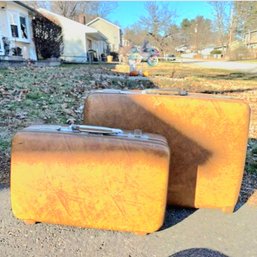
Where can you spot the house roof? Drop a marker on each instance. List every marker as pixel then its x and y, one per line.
pixel 99 18
pixel 25 6
pixel 68 23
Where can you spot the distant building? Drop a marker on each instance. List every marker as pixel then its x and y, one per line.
pixel 251 39
pixel 222 48
pixel 183 49
pixel 125 42
pixel 111 31
pixel 206 52
pixel 16 35
pixel 78 39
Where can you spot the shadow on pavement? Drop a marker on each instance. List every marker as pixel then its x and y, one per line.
pixel 198 252
pixel 175 215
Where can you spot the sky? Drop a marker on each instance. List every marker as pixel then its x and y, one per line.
pixel 128 13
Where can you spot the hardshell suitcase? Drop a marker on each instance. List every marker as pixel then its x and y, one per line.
pixel 207 136
pixel 90 177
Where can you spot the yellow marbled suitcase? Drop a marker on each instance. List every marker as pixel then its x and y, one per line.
pixel 91 177
pixel 207 136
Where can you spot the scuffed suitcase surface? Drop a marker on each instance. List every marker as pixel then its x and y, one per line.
pixel 96 181
pixel 207 136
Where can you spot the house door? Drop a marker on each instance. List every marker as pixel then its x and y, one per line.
pixel 89 44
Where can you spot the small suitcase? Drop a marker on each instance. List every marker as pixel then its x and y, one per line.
pixel 91 177
pixel 207 136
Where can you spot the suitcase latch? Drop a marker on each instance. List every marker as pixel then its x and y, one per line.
pixel 138 133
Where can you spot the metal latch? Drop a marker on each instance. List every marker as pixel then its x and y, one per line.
pixel 138 133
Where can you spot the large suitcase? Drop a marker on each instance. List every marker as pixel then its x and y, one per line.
pixel 207 136
pixel 90 177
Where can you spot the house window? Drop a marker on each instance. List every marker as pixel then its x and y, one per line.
pixel 14 29
pixel 14 25
pixel 18 26
pixel 23 26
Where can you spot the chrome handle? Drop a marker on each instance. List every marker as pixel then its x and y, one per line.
pixel 166 91
pixel 95 130
pixel 110 91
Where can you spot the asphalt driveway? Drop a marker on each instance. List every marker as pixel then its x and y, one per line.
pixel 184 233
pixel 244 67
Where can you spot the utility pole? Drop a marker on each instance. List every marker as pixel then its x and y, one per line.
pixel 196 37
pixel 232 25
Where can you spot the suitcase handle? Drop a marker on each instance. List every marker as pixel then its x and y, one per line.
pixel 165 91
pixel 110 91
pixel 95 130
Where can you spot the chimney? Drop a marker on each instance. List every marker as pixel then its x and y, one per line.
pixel 82 18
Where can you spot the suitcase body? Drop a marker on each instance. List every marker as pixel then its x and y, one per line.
pixel 207 136
pixel 90 177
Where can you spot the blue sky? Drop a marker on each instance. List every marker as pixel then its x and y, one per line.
pixel 128 13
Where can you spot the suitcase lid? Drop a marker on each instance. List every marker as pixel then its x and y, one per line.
pixel 87 130
pixel 154 91
pixel 165 92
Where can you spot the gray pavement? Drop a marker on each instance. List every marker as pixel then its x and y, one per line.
pixel 232 235
pixel 244 67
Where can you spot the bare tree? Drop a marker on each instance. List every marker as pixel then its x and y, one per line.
pixel 223 23
pixel 234 19
pixel 246 15
pixel 102 9
pixel 157 23
pixel 69 9
pixel 90 9
pixel 38 4
pixel 135 34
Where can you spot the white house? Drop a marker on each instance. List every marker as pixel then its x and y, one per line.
pixel 111 31
pixel 206 52
pixel 16 31
pixel 183 49
pixel 251 39
pixel 77 38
